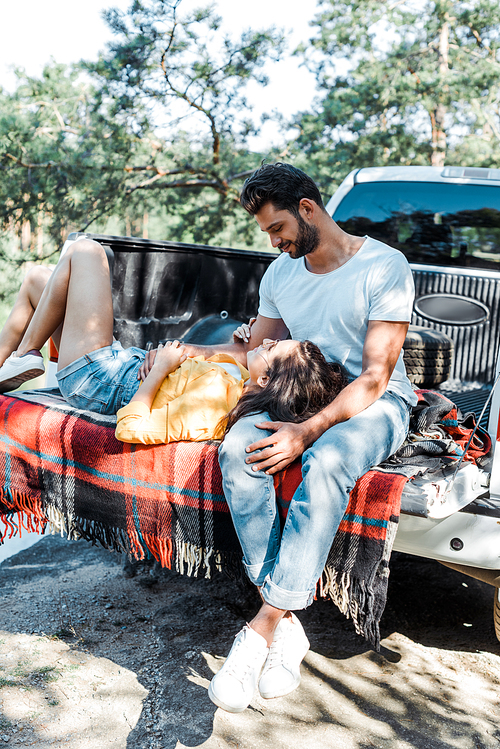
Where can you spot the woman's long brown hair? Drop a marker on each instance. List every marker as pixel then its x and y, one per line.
pixel 299 385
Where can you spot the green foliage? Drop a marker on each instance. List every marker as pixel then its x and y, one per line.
pixel 184 67
pixel 423 85
pixel 62 156
pixel 11 274
pixel 6 682
pixel 156 127
pixel 156 131
pixel 180 76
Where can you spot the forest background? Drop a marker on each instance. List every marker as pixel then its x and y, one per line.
pixel 155 138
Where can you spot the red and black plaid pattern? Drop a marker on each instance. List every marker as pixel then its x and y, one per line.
pixel 65 465
pixel 130 498
pixel 357 568
pixel 435 409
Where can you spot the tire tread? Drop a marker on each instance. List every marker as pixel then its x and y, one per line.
pixel 428 356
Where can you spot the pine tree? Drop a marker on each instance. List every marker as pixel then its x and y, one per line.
pixel 159 125
pixel 423 85
pixel 186 79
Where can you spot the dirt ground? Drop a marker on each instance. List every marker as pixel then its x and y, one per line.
pixel 90 658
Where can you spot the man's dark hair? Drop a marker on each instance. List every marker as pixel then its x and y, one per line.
pixel 281 184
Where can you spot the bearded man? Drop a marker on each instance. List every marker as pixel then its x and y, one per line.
pixel 352 296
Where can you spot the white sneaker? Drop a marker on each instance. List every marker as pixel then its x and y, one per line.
pixel 234 685
pixel 281 674
pixel 18 369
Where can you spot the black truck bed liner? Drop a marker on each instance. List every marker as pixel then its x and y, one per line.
pixel 471 400
pixel 165 290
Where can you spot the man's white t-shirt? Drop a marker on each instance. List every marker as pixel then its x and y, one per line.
pixel 333 309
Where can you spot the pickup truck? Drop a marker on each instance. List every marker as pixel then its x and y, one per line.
pixel 447 223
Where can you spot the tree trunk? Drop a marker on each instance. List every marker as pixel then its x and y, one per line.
pixel 438 114
pixel 25 235
pixel 39 235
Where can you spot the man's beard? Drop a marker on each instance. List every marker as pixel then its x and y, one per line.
pixel 307 239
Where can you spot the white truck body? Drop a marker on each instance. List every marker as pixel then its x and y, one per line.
pixel 457 530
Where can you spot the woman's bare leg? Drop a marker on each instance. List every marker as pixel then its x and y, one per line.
pixel 78 296
pixel 266 620
pixel 27 301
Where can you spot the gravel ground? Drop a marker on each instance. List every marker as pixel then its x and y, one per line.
pixel 90 658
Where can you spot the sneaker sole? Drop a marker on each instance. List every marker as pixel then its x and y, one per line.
pixel 275 695
pixel 219 703
pixel 20 379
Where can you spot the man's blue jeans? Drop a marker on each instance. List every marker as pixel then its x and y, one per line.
pixel 288 565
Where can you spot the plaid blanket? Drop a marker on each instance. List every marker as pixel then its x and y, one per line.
pixel 64 467
pixel 437 437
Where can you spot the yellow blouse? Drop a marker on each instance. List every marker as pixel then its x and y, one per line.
pixel 188 406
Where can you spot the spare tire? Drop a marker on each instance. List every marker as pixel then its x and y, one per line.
pixel 496 613
pixel 428 356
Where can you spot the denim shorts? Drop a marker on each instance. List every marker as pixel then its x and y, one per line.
pixel 102 381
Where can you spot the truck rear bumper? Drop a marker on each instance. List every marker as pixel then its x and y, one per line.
pixel 461 538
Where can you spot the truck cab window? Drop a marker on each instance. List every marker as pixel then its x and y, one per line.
pixel 431 223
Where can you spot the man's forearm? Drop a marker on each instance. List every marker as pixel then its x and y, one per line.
pixel 357 396
pixel 236 350
pixel 381 350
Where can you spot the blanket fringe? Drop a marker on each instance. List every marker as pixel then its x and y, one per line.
pixel 60 523
pixel 29 512
pixel 353 598
pixel 136 549
pixel 112 539
pixel 186 558
pixel 195 561
pixel 160 548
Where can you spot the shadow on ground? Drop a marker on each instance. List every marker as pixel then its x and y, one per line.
pixel 91 657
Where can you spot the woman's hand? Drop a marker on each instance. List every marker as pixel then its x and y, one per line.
pixel 168 357
pixel 243 332
pixel 146 365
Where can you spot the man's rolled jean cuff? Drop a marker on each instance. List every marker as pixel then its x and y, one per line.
pixel 287 600
pixel 257 573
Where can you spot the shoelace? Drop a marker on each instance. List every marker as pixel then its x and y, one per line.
pixel 275 656
pixel 242 661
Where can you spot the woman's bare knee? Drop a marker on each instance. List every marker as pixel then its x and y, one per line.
pixel 85 246
pixel 35 282
pixel 38 275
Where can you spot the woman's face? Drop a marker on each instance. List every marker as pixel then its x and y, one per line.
pixel 260 359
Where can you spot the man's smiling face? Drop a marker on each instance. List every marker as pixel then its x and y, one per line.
pixel 286 232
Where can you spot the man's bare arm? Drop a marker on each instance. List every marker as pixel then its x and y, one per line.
pixel 263 327
pixel 381 349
